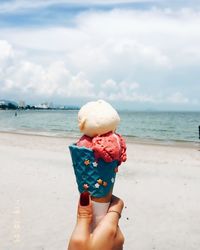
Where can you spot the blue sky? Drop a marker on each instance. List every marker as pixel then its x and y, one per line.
pixel 134 54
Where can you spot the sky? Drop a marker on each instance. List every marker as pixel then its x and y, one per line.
pixel 135 54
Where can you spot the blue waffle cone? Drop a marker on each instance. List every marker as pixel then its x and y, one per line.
pixel 95 177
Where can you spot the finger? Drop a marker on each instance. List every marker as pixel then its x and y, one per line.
pixel 84 216
pixel 109 224
pixel 114 211
pixel 119 240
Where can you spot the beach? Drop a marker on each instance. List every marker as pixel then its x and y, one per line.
pixel 160 186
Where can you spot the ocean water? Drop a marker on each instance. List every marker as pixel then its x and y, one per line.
pixel 162 126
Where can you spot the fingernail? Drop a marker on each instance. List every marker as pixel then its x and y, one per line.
pixel 84 199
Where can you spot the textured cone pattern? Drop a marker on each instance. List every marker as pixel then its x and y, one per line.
pixel 95 177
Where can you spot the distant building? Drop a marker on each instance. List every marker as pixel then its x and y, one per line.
pixel 22 104
pixel 44 105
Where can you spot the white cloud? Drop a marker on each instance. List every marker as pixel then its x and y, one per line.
pixel 124 50
pixel 109 84
pixel 78 86
pixel 162 38
pixel 6 51
pixel 28 77
pixel 55 79
pixel 177 98
pixel 123 91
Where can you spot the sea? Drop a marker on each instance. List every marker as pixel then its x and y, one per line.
pixel 164 127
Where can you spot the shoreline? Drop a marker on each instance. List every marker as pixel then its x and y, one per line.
pixel 129 139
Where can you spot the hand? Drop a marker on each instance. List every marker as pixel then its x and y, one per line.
pixel 106 236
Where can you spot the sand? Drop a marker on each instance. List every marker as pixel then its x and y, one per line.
pixel 160 185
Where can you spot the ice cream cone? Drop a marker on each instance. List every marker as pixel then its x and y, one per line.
pixel 95 177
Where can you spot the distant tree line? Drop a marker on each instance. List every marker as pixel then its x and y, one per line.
pixel 8 106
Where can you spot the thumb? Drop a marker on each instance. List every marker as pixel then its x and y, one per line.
pixel 84 215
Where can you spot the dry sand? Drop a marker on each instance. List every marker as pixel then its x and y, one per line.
pixel 159 184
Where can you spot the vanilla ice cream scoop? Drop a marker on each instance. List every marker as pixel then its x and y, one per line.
pixel 97 118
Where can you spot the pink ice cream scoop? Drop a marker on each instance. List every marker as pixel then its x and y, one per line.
pixel 109 147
